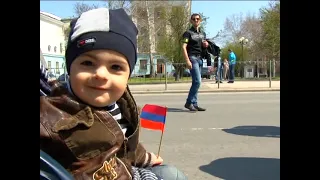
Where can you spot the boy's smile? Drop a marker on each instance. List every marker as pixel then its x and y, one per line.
pixel 100 88
pixel 99 77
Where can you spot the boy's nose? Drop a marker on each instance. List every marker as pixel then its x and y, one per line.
pixel 102 73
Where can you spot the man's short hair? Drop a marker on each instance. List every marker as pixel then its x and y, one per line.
pixel 195 14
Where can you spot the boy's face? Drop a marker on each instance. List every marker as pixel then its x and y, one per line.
pixel 99 77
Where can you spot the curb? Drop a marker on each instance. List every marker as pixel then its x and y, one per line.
pixel 206 91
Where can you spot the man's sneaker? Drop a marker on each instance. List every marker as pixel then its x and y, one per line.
pixel 199 108
pixel 190 107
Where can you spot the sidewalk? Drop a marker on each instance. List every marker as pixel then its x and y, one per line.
pixel 238 86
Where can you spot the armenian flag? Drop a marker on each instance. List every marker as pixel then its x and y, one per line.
pixel 153 117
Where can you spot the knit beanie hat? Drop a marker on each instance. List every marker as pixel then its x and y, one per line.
pixel 99 29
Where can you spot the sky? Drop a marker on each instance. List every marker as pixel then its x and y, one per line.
pixel 217 11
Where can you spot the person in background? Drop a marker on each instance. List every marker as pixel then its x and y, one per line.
pixel 45 88
pixel 232 65
pixel 193 43
pixel 225 68
pixel 219 69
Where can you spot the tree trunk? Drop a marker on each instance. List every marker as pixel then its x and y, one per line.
pixel 179 72
pixel 151 34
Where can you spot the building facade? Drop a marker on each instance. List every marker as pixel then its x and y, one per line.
pixel 52 43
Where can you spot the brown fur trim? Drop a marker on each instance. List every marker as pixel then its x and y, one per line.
pixel 128 108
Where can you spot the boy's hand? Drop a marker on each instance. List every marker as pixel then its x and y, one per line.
pixel 155 159
pixel 158 161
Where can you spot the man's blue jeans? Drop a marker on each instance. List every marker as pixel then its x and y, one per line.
pixel 231 69
pixel 167 172
pixel 196 80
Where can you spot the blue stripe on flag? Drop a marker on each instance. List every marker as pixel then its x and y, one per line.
pixel 153 117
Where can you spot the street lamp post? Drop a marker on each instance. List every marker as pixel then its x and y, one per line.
pixel 243 42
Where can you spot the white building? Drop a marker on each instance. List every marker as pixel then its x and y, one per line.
pixel 52 42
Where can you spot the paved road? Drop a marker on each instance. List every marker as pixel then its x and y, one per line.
pixel 237 138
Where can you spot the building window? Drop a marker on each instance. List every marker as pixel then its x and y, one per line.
pixel 49 65
pixel 61 47
pixel 55 49
pixel 143 64
pixel 158 14
pixel 49 48
pixel 57 68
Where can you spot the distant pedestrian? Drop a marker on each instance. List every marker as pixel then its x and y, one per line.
pixel 219 69
pixel 44 84
pixel 225 69
pixel 232 65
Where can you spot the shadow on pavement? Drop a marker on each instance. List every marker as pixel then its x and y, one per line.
pixel 178 110
pixel 244 168
pixel 258 131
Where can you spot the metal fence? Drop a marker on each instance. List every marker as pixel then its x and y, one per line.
pixel 166 73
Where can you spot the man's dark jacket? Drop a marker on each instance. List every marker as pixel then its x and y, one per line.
pixel 211 49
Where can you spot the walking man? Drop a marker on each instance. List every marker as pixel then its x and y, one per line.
pixel 193 44
pixel 232 65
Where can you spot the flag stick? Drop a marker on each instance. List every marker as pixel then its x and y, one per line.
pixel 160 143
pixel 162 135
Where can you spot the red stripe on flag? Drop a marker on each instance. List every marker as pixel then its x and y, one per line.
pixel 155 109
pixel 151 124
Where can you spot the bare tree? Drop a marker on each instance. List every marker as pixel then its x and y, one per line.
pixel 248 26
pixel 252 30
pixel 81 7
pixel 150 22
pixel 116 4
pixel 232 27
pixel 262 32
pixel 171 44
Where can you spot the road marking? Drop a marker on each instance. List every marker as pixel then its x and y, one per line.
pixel 212 128
pixel 201 129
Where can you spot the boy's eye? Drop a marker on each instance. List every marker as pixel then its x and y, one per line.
pixel 116 67
pixel 87 63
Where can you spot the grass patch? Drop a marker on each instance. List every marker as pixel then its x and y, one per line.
pixel 142 80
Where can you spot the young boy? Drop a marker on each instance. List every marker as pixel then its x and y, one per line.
pixel 92 128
